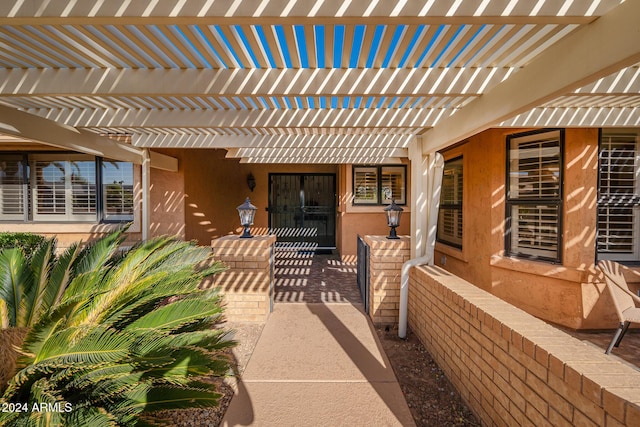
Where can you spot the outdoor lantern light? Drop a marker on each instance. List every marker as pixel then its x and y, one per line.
pixel 251 182
pixel 246 211
pixel 393 212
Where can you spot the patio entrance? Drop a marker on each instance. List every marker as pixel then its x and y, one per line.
pixel 302 210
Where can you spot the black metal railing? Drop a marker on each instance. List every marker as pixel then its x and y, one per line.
pixel 363 272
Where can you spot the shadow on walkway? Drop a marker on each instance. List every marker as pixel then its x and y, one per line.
pixel 318 361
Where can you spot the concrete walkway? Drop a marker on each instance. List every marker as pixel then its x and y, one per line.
pixel 318 365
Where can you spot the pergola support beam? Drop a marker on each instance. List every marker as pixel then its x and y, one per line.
pixel 33 128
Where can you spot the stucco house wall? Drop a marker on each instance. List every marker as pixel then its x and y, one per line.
pixel 198 202
pixel 569 293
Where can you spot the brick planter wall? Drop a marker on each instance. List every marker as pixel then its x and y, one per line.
pixel 386 257
pixel 247 285
pixel 512 368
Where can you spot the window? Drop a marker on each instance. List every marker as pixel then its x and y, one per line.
pixel 618 196
pixel 13 181
pixel 117 190
pixel 64 187
pixel 450 212
pixel 534 195
pixel 379 185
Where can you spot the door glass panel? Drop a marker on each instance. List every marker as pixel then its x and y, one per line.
pixel 302 208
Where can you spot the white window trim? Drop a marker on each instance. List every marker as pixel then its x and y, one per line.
pixel 68 216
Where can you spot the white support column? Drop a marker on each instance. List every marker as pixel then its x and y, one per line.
pixel 426 174
pixel 146 194
pixel 419 168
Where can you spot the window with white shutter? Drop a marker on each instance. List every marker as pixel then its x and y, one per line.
pixel 63 187
pixel 13 188
pixel 117 190
pixel 450 211
pixel 393 182
pixel 534 195
pixel 379 185
pixel 618 196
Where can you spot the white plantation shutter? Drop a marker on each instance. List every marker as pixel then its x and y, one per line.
pixel 365 185
pixel 393 179
pixel 450 212
pixel 64 188
pixel 618 201
pixel 535 230
pixel 535 195
pixel 13 200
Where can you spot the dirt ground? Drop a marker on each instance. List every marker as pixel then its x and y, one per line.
pixel 431 398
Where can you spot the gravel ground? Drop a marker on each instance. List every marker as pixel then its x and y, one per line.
pixel 431 398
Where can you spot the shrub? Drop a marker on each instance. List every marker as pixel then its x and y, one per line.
pixel 28 242
pixel 116 336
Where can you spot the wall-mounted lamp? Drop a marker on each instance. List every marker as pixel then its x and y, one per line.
pixel 393 212
pixel 251 181
pixel 247 212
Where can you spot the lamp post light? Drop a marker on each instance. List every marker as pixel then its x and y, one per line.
pixel 393 212
pixel 247 212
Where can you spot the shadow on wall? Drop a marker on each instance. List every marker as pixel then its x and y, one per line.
pixel 569 293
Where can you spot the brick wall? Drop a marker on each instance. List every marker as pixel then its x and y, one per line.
pixel 512 368
pixel 247 284
pixel 386 257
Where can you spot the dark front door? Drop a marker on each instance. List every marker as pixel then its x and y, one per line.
pixel 302 209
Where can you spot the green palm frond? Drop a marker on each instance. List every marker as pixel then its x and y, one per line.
pixel 118 336
pixel 61 274
pixel 98 346
pixel 98 254
pixel 40 265
pixel 176 314
pixel 39 334
pixel 167 397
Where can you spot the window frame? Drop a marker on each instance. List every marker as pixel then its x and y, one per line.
pixel 102 194
pixel 24 187
pixel 619 200
pixel 68 215
pixel 29 191
pixel 379 199
pixel 455 207
pixel 556 202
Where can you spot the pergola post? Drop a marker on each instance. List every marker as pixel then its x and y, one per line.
pixel 419 168
pixel 146 194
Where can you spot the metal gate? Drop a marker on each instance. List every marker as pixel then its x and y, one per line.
pixel 302 209
pixel 362 275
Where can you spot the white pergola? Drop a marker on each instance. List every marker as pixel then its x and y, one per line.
pixel 310 81
pixel 302 81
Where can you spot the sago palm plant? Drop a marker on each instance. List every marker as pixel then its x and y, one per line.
pixel 112 337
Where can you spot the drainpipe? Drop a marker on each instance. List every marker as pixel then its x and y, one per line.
pixel 423 231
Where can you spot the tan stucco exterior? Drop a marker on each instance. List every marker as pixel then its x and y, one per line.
pixel 569 293
pixel 198 202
